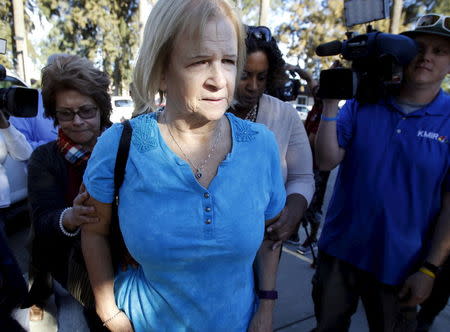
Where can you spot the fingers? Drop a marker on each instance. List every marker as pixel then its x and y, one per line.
pixel 416 289
pixel 87 220
pixel 279 223
pixel 81 210
pixel 81 198
pixel 276 245
pixel 82 188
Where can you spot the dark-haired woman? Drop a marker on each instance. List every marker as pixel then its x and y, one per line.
pixel 265 72
pixel 75 96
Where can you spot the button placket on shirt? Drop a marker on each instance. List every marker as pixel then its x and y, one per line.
pixel 207 208
pixel 400 124
pixel 208 225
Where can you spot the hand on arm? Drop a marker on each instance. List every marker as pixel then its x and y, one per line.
pixel 418 286
pixel 266 266
pixel 79 214
pixel 97 255
pixel 289 219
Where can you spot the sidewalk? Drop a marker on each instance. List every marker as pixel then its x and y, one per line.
pixel 293 313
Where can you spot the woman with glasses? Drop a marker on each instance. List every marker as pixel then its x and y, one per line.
pixel 264 74
pixel 75 96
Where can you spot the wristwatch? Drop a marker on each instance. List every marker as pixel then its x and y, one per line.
pixel 267 295
pixel 433 268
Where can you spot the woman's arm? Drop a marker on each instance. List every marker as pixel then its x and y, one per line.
pixel 266 266
pixel 299 182
pixel 47 177
pixel 97 255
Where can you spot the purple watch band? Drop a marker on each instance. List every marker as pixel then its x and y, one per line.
pixel 267 295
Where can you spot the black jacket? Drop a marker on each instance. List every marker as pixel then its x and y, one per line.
pixel 47 183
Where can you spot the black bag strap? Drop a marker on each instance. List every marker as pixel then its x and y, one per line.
pixel 122 157
pixel 119 251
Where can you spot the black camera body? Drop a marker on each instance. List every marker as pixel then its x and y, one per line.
pixel 289 91
pixel 377 66
pixel 18 101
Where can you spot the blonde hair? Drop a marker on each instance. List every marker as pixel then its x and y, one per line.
pixel 168 19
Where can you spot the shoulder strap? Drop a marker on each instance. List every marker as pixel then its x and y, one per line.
pixel 119 251
pixel 122 156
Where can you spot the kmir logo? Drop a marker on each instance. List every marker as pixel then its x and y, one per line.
pixel 433 136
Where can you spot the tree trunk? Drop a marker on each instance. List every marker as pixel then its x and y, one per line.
pixel 117 78
pixel 20 39
pixel 396 13
pixel 264 12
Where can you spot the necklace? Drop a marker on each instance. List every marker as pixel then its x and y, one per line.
pixel 197 169
pixel 251 116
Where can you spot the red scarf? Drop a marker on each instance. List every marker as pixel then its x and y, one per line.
pixel 74 153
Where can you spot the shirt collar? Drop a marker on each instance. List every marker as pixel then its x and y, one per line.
pixel 432 108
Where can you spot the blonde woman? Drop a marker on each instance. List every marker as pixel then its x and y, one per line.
pixel 200 187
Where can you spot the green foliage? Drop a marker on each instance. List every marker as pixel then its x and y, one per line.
pixel 6 32
pixel 6 19
pixel 104 31
pixel 250 9
pixel 313 22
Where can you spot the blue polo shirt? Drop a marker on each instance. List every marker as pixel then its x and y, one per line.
pixel 389 187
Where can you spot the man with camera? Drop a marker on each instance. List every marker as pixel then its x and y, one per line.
pixel 14 149
pixel 391 195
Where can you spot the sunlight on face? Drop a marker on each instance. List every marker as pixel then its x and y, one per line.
pixel 200 78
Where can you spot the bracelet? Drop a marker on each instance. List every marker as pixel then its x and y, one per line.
pixel 105 322
pixel 325 118
pixel 427 272
pixel 433 268
pixel 61 226
pixel 267 295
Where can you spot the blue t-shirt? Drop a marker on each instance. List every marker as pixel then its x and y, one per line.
pixel 389 187
pixel 196 245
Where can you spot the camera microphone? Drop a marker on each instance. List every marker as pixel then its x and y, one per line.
pixel 331 48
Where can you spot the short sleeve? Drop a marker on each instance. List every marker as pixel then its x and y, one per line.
pixel 345 123
pixel 99 175
pixel 277 189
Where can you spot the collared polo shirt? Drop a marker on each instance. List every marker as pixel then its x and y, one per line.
pixel 389 187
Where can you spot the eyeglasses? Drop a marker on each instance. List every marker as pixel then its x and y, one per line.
pixel 84 112
pixel 431 20
pixel 260 33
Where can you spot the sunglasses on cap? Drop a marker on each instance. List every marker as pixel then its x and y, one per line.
pixel 259 33
pixel 432 20
pixel 84 112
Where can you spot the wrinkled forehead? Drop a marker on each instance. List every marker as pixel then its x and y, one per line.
pixel 217 30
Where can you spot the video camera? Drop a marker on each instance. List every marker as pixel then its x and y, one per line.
pixel 289 91
pixel 16 101
pixel 377 66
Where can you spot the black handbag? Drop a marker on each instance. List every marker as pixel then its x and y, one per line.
pixel 78 283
